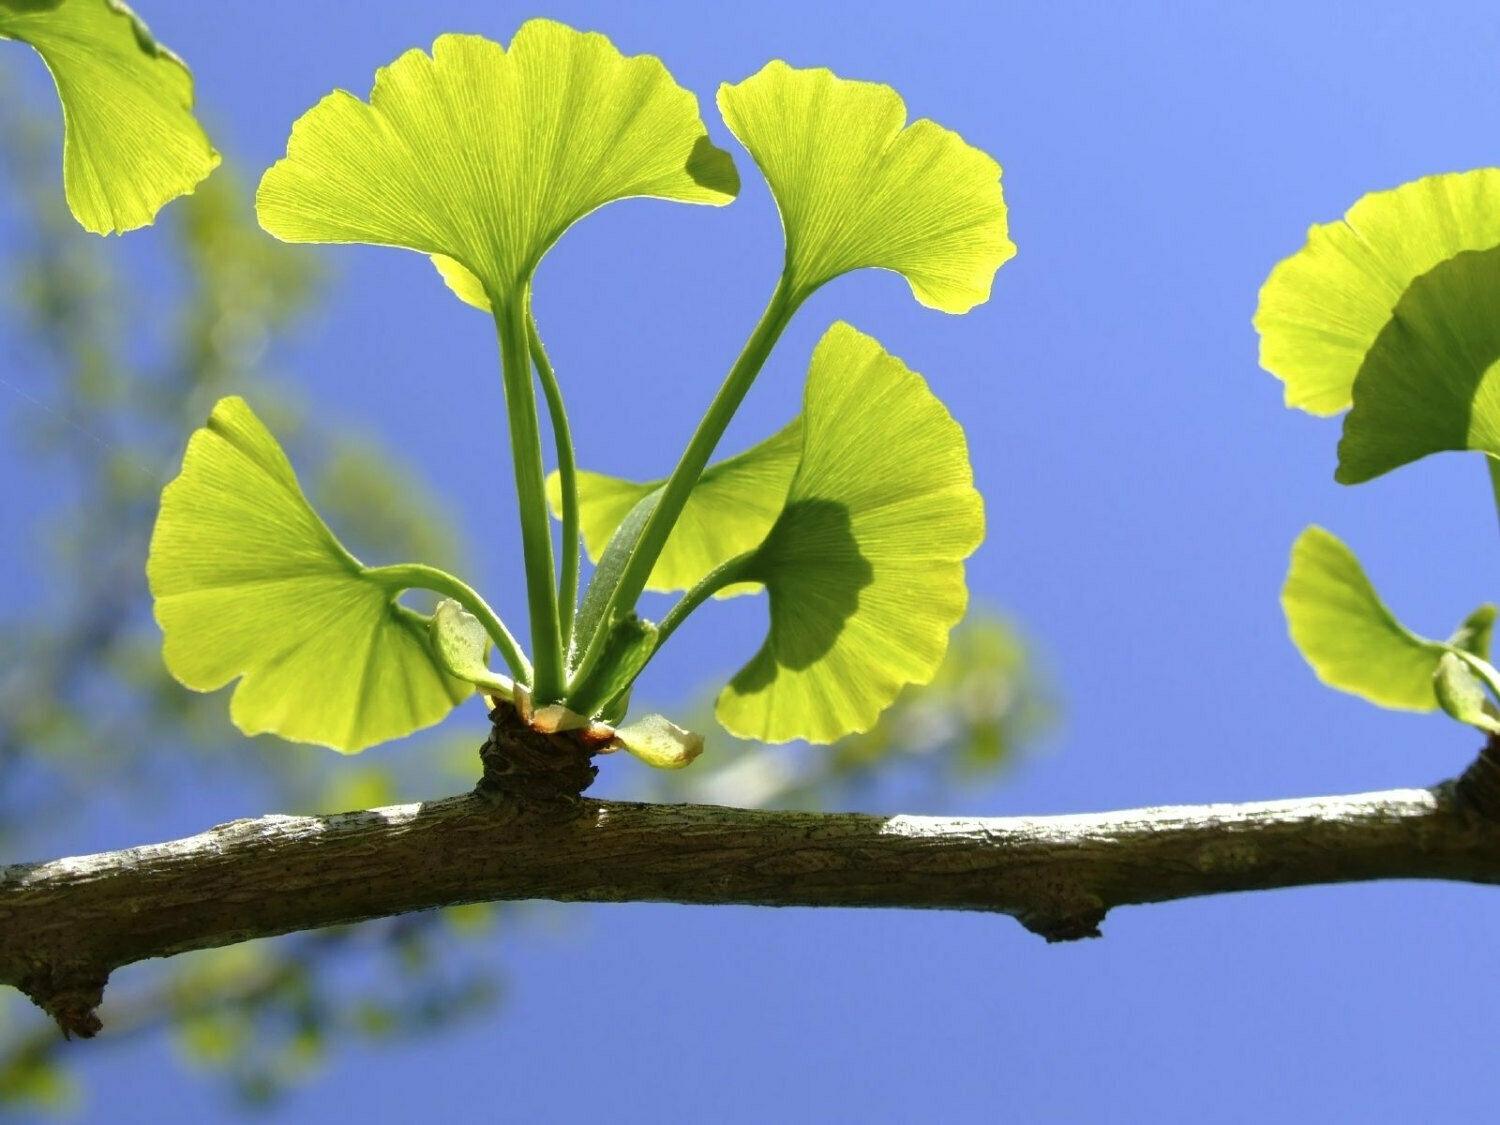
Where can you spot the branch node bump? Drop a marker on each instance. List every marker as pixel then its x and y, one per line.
pixel 1076 928
pixel 71 996
pixel 1070 916
pixel 531 768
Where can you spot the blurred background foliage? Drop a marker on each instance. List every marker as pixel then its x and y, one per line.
pixel 103 372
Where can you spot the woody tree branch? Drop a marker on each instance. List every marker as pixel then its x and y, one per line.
pixel 525 834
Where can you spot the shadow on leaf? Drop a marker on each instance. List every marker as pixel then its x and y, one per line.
pixel 713 168
pixel 815 571
pixel 1427 383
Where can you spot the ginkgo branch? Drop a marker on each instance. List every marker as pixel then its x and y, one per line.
pixel 65 925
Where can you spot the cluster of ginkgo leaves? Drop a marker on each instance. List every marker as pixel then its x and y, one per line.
pixel 855 518
pixel 1390 314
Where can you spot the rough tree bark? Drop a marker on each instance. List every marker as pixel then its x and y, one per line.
pixel 526 833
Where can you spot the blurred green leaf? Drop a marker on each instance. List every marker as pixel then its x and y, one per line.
pixel 35 1080
pixel 213 1038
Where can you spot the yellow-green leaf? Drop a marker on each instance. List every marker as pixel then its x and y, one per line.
pixel 250 584
pixel 857 186
pixel 1431 380
pixel 729 511
pixel 461 283
pixel 1321 309
pixel 864 565
pixel 130 141
pixel 1346 633
pixel 484 156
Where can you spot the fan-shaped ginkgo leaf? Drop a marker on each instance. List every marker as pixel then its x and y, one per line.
pixel 864 565
pixel 130 141
pixel 730 510
pixel 1321 309
pixel 855 188
pixel 484 155
pixel 250 584
pixel 1431 380
pixel 1346 633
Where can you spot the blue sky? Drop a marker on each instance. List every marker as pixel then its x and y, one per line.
pixel 1143 485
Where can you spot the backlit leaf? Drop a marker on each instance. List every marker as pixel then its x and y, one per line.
pixel 729 511
pixel 130 142
pixel 864 565
pixel 1429 382
pixel 484 156
pixel 857 186
pixel 1321 309
pixel 250 584
pixel 1346 633
pixel 463 284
